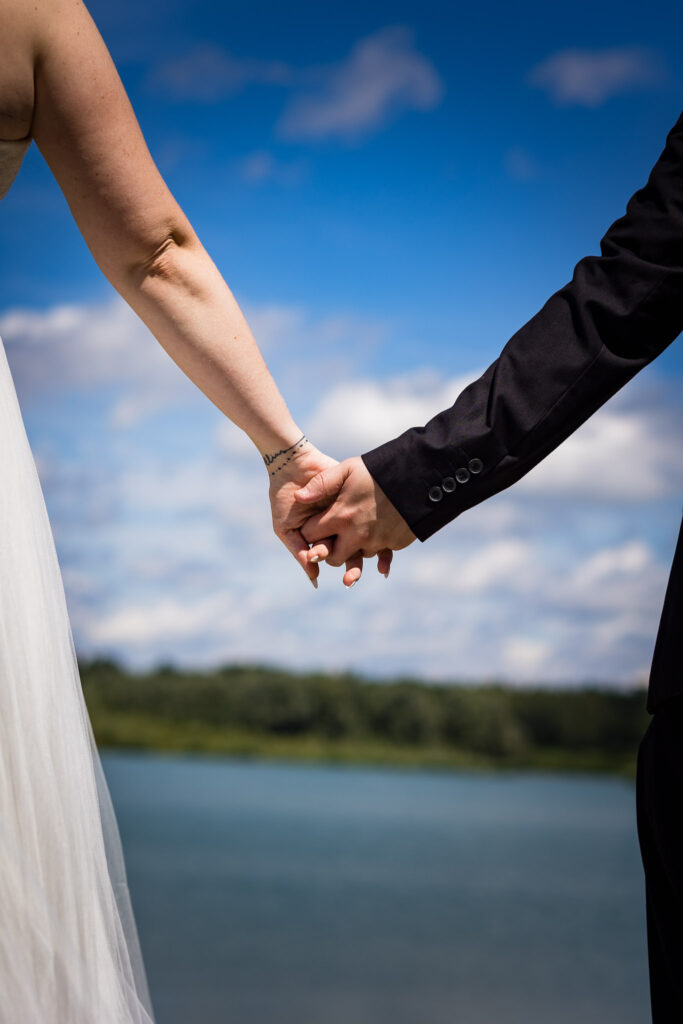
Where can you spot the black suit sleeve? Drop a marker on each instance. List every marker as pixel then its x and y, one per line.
pixel 619 311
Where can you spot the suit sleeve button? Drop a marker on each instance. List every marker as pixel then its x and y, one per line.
pixel 448 484
pixel 435 493
pixel 475 466
pixel 462 475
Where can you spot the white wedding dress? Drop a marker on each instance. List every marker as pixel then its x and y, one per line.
pixel 69 952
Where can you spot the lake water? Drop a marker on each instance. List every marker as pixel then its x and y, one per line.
pixel 280 894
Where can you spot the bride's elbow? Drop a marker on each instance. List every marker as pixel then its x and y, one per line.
pixel 171 258
pixel 161 258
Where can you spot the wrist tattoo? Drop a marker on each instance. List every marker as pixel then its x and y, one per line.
pixel 290 452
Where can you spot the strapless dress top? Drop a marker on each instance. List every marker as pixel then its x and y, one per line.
pixel 12 152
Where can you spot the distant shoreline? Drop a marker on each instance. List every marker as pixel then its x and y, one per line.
pixel 264 713
pixel 139 733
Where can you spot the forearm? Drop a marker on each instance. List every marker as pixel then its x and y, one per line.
pixel 141 240
pixel 182 298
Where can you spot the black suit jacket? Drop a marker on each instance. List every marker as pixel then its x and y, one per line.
pixel 619 311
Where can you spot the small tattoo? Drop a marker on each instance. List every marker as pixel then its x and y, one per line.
pixel 270 459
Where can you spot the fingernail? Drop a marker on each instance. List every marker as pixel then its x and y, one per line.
pixel 314 558
pixel 349 585
pixel 386 575
pixel 314 582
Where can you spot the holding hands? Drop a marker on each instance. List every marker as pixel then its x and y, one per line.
pixel 325 511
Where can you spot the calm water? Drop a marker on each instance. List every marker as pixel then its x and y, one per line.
pixel 270 894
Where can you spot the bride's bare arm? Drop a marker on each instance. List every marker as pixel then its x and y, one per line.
pixel 84 126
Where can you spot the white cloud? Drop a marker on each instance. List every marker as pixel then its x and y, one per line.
pixel 358 414
pixel 382 76
pixel 261 167
pixel 590 77
pixel 624 578
pixel 209 73
pixel 78 348
pixel 525 658
pixel 157 623
pixel 620 454
pixel 509 563
pixel 520 165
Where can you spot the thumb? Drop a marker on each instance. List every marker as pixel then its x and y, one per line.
pixel 325 486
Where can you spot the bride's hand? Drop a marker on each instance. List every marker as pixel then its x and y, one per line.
pixel 290 515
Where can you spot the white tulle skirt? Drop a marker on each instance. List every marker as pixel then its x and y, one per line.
pixel 69 952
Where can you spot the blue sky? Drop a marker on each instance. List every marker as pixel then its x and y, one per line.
pixel 391 191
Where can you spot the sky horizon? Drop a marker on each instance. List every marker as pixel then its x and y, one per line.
pixel 391 192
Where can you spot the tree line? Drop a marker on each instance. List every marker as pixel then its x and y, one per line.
pixel 499 723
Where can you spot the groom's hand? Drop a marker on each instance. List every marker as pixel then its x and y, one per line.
pixel 359 520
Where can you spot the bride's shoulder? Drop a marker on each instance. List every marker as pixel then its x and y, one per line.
pixel 31 14
pixel 22 22
pixel 27 27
